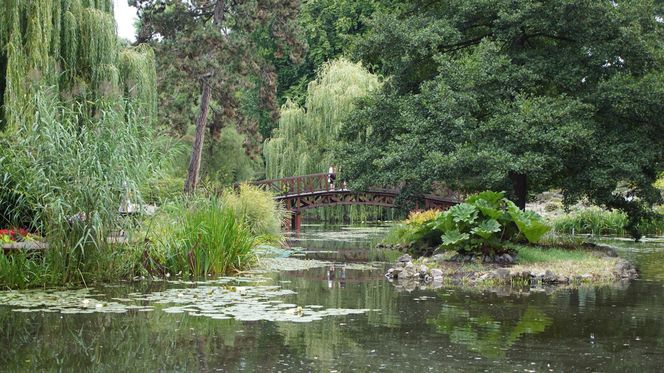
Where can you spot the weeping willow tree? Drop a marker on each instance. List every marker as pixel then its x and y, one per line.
pixel 69 47
pixel 301 144
pixel 303 141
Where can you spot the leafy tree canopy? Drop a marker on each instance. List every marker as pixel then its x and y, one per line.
pixel 514 95
pixel 238 42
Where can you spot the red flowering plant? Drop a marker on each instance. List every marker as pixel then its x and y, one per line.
pixel 13 235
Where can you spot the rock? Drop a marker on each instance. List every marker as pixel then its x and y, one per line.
pixel 549 277
pixel 427 278
pixel 467 258
pixel 507 259
pixel 438 258
pixel 437 273
pixel 501 274
pixel 423 269
pixel 380 246
pixel 405 258
pixel 409 265
pixel 486 259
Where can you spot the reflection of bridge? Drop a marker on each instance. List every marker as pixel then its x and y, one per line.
pixel 311 191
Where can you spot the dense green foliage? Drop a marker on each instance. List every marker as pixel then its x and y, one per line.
pixel 70 48
pixel 303 142
pixel 596 221
pixel 239 42
pixel 306 136
pixel 208 235
pixel 484 223
pixel 207 239
pixel 330 28
pixel 521 96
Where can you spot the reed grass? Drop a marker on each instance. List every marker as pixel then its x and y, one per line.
pixel 598 222
pixel 206 238
pixel 64 176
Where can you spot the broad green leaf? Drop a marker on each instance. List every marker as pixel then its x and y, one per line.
pixel 487 209
pixel 492 198
pixel 532 229
pixel 486 228
pixel 463 212
pixel 454 237
pixel 444 222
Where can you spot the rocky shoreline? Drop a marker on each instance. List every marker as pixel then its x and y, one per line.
pixel 497 270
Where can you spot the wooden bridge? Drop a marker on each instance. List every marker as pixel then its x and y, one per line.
pixel 299 193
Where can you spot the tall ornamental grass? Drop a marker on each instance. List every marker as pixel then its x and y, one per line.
pixel 208 239
pixel 64 175
pixel 599 222
pixel 208 235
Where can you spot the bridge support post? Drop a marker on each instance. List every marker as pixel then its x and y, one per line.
pixel 296 221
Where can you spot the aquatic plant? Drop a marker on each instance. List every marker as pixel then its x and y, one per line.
pixel 65 175
pixel 203 237
pixel 257 210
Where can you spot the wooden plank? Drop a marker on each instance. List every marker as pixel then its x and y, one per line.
pixel 25 246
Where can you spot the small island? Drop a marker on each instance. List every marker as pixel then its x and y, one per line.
pixel 488 240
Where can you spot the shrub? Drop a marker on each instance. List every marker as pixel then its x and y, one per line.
pixel 257 210
pixel 482 224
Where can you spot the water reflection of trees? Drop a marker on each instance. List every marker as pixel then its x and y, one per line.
pixel 491 334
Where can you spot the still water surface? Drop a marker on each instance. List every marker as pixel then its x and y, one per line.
pixel 614 328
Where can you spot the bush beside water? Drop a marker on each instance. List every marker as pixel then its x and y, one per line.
pixel 596 221
pixel 484 224
pixel 63 176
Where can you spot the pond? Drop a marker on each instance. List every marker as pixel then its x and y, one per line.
pixel 339 317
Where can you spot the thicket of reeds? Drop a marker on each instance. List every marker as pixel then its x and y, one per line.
pixel 208 235
pixel 76 119
pixel 599 222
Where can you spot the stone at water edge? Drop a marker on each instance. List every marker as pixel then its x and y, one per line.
pixel 550 277
pixel 405 258
pixel 436 274
pixel 501 274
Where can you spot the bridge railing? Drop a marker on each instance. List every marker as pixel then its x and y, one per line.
pixel 297 184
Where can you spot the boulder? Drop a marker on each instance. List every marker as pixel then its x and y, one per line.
pixel 549 277
pixel 501 274
pixel 405 258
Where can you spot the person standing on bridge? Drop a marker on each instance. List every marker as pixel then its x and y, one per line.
pixel 332 175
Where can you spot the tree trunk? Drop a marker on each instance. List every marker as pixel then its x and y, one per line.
pixel 520 182
pixel 197 148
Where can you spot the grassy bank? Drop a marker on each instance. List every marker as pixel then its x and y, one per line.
pixel 195 237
